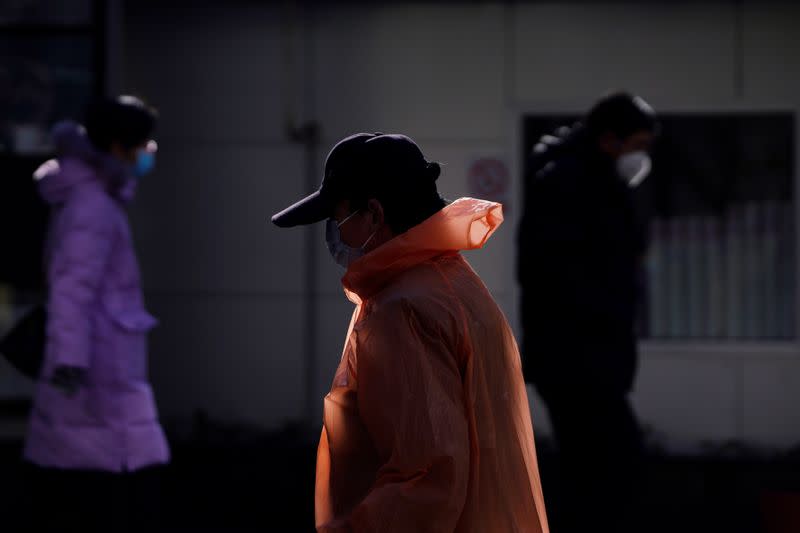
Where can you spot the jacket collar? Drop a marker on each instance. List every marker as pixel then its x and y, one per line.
pixel 465 224
pixel 80 162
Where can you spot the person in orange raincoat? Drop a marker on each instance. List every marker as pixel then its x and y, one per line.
pixel 427 426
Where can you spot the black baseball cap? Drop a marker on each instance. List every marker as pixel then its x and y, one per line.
pixel 364 163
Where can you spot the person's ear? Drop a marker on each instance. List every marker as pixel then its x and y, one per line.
pixel 122 153
pixel 376 210
pixel 609 144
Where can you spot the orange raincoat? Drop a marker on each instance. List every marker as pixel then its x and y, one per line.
pixel 427 426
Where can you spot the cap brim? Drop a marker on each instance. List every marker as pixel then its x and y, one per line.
pixel 310 210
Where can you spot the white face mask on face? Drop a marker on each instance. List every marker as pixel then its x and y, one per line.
pixel 343 254
pixel 634 167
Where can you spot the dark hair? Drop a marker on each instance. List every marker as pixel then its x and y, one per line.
pixel 126 120
pixel 406 206
pixel 622 114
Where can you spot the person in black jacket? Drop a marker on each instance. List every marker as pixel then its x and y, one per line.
pixel 580 245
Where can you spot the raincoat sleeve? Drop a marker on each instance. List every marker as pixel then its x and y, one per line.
pixel 411 400
pixel 77 265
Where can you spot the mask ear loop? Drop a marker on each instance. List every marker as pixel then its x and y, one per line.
pixel 374 233
pixel 371 236
pixel 340 224
pixel 369 239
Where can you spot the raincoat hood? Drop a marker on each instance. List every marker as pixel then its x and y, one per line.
pixel 465 224
pixel 80 162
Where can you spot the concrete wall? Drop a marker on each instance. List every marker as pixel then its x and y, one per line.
pixel 229 288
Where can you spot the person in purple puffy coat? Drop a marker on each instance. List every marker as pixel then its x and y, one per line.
pixel 94 439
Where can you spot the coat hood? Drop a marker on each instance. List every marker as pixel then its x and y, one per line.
pixel 465 224
pixel 568 148
pixel 80 162
pixel 564 141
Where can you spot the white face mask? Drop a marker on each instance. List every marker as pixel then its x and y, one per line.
pixel 343 254
pixel 634 167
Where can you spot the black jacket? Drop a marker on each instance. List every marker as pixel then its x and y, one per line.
pixel 579 248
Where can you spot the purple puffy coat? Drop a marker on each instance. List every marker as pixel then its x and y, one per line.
pixel 96 320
